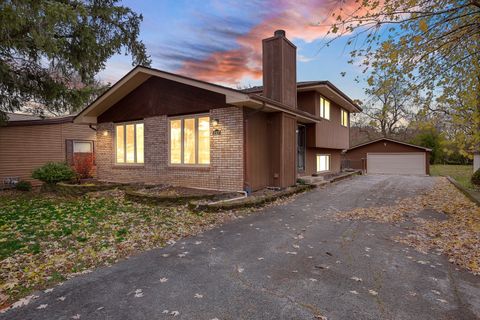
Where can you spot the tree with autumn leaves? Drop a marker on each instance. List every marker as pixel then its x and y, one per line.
pixel 434 44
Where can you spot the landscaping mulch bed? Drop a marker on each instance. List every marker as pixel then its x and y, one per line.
pixel 258 198
pixel 166 195
pixel 67 188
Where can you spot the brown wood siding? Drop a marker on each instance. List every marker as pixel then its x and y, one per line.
pixel 257 143
pixel 311 159
pixel 289 150
pixel 280 71
pixel 25 148
pixel 158 96
pixel 306 102
pixel 328 134
pixel 358 155
pixel 270 149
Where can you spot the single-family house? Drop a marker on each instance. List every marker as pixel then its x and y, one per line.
pixel 158 127
pixel 28 142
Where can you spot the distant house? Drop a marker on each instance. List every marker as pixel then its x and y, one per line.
pixel 27 142
pixel 158 127
pixel 388 156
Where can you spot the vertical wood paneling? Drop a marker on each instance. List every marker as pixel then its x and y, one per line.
pixel 279 70
pixel 257 143
pixel 289 151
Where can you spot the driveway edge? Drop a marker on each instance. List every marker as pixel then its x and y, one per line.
pixel 474 196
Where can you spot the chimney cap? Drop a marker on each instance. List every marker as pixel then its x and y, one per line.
pixel 279 33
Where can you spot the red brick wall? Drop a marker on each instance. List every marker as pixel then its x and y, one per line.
pixel 226 155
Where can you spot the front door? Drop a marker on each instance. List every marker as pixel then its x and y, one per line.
pixel 301 147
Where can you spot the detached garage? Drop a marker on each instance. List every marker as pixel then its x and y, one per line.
pixel 388 156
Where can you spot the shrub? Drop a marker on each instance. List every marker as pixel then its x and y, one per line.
pixel 23 185
pixel 476 178
pixel 54 172
pixel 83 165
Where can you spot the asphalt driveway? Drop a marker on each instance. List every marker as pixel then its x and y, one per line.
pixel 286 262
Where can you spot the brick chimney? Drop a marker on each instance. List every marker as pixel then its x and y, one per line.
pixel 280 69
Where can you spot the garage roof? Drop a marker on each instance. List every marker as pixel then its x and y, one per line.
pixel 391 140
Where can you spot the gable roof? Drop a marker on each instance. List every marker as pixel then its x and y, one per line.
pixel 390 140
pixel 140 74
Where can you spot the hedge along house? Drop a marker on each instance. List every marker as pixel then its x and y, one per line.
pixel 159 127
pixel 28 142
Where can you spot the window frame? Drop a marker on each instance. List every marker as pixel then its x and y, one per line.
pixel 342 112
pixel 329 162
pixel 124 124
pixel 323 107
pixel 84 141
pixel 195 116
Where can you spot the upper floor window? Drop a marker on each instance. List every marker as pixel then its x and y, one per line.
pixel 189 140
pixel 129 143
pixel 324 108
pixel 344 118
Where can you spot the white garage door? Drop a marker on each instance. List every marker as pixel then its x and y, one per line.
pixel 396 163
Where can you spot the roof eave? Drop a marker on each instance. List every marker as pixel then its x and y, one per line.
pixel 391 140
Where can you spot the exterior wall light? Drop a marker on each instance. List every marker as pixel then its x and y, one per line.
pixel 105 133
pixel 216 131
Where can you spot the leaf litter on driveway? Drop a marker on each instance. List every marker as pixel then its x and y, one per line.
pixel 458 236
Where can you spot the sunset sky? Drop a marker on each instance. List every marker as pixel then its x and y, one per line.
pixel 220 40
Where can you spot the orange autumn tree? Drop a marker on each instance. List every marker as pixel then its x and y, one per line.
pixel 434 43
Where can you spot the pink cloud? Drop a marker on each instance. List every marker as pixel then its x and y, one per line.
pixel 307 20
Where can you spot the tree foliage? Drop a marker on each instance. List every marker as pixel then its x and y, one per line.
pixel 50 51
pixel 435 44
pixel 389 107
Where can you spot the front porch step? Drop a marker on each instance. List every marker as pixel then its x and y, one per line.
pixel 318 181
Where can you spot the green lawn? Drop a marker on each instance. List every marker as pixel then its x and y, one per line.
pixel 461 173
pixel 43 240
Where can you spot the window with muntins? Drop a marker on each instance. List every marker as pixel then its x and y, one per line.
pixel 344 118
pixel 323 162
pixel 129 143
pixel 189 138
pixel 324 108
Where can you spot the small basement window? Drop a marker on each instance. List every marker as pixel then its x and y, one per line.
pixel 323 162
pixel 129 143
pixel 82 146
pixel 324 108
pixel 344 118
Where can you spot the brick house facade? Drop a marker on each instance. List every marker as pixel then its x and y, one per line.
pixel 162 128
pixel 224 173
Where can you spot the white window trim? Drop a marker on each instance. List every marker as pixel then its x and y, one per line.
pixel 124 124
pixel 329 162
pixel 342 111
pixel 329 109
pixel 195 116
pixel 87 141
